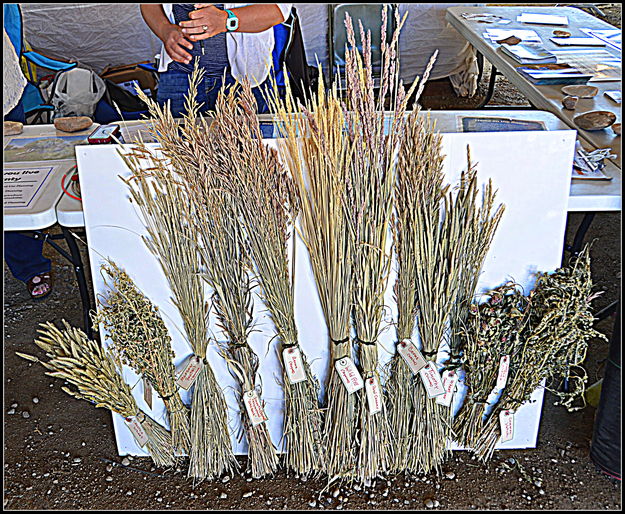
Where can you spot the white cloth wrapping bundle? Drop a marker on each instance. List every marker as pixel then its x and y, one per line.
pixel 13 80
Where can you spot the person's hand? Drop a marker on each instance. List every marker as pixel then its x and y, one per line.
pixel 205 22
pixel 175 43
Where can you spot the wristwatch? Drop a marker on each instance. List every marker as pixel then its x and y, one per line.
pixel 232 23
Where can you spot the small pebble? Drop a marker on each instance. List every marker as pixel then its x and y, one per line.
pixel 248 494
pixel 125 461
pixel 450 475
pixel 109 478
pixel 109 468
pixel 14 405
pixel 335 493
pixel 11 411
pixel 313 503
pixel 77 460
pixel 35 400
pixel 429 503
pixel 225 479
pixel 223 496
pixel 26 414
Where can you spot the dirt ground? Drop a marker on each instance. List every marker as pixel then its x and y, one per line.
pixel 60 453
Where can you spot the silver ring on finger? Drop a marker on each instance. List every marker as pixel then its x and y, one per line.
pixel 205 28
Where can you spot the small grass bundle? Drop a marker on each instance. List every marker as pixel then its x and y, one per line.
pixel 140 338
pixel 97 376
pixel 376 137
pixel 317 153
pixel 493 330
pixel 195 154
pixel 166 210
pixel 553 347
pixel 265 198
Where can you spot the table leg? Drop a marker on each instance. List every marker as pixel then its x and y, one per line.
pixel 578 240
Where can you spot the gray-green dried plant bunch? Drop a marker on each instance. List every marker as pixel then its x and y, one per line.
pixel 317 152
pixel 376 136
pixel 97 376
pixel 140 338
pixel 264 195
pixel 167 211
pixel 553 346
pixel 492 330
pixel 196 154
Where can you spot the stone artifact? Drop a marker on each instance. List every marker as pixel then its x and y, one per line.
pixel 595 120
pixel 73 123
pixel 569 102
pixel 12 128
pixel 511 40
pixel 617 129
pixel 580 91
pixel 561 33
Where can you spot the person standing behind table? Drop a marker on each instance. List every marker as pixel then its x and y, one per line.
pixel 235 38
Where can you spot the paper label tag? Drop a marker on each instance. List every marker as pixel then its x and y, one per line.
pixel 374 395
pixel 450 379
pixel 411 355
pixel 349 375
pixel 254 408
pixel 432 380
pixel 189 371
pixel 137 431
pixel 506 422
pixel 294 365
pixel 147 392
pixel 502 376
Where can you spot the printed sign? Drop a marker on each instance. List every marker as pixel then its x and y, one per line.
pixel 432 380
pixel 294 365
pixel 189 371
pixel 450 379
pixel 136 428
pixel 349 375
pixel 254 408
pixel 411 355
pixel 374 395
pixel 22 185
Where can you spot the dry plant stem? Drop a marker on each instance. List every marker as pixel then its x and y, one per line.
pixel 264 196
pixel 195 153
pixel 96 375
pixel 166 209
pixel 139 336
pixel 317 153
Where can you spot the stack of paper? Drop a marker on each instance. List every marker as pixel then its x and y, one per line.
pixel 543 19
pixel 611 37
pixel 529 54
pixel 526 36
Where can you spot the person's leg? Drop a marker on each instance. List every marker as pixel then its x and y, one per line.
pixel 26 263
pixel 173 86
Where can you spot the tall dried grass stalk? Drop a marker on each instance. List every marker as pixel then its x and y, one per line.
pixel 166 209
pixel 370 199
pixel 264 195
pixel 141 340
pixel 195 154
pixel 97 376
pixel 317 153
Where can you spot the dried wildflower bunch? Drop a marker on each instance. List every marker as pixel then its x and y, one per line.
pixel 96 375
pixel 553 346
pixel 317 153
pixel 196 154
pixel 264 195
pixel 376 137
pixel 141 340
pixel 166 211
pixel 492 331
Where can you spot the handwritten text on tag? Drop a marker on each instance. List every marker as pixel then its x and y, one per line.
pixel 504 367
pixel 137 431
pixel 190 370
pixel 450 379
pixel 432 380
pixel 411 355
pixel 147 392
pixel 349 375
pixel 254 408
pixel 294 365
pixel 506 422
pixel 374 395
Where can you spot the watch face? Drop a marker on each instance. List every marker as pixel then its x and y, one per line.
pixel 232 23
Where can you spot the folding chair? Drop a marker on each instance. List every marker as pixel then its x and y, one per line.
pixel 371 17
pixel 34 102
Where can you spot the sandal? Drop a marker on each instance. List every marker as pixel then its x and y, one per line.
pixel 39 286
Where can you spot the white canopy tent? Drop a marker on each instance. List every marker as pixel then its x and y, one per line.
pixel 98 35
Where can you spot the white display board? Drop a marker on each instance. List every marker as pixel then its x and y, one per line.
pixel 531 171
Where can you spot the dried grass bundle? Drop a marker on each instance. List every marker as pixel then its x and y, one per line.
pixel 376 137
pixel 553 347
pixel 264 195
pixel 97 376
pixel 140 339
pixel 166 211
pixel 317 153
pixel 195 154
